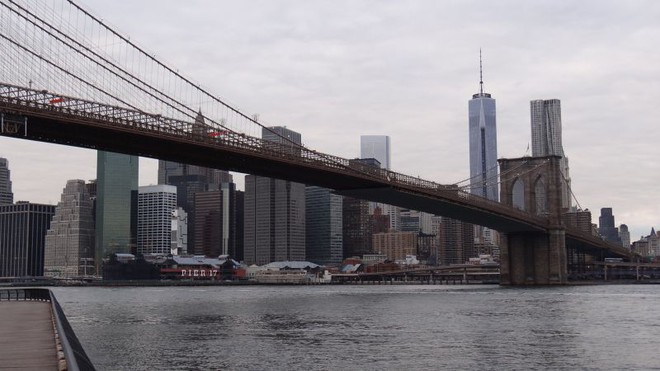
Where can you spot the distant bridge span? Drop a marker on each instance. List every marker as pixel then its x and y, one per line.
pixel 48 117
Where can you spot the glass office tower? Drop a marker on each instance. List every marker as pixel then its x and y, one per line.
pixel 483 144
pixel 116 204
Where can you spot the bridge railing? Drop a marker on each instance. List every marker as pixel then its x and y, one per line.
pixel 74 353
pixel 42 102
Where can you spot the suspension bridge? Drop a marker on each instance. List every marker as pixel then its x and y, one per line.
pixel 69 78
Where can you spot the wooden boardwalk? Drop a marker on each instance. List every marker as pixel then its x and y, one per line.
pixel 27 337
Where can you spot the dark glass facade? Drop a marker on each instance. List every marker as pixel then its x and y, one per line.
pixel 606 227
pixel 23 229
pixel 116 204
pixel 323 226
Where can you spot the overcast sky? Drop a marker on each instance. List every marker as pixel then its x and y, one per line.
pixel 334 70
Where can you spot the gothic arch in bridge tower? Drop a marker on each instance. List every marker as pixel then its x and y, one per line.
pixel 540 196
pixel 518 194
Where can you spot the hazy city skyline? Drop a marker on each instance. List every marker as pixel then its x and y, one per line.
pixel 336 70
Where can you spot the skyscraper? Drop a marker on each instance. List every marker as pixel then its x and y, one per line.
pixel 546 138
pixel 482 128
pixel 274 211
pixel 456 242
pixel 416 221
pixel 156 203
pixel 323 222
pixel 23 227
pixel 376 146
pixel 624 233
pixel 358 224
pixel 483 143
pixel 216 218
pixel 69 249
pixel 6 195
pixel 606 226
pixel 191 179
pixel 116 204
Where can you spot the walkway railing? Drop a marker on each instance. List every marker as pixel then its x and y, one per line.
pixel 74 354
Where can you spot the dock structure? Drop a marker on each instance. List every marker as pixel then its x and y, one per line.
pixel 35 334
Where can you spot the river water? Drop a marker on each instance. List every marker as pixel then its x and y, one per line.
pixel 400 327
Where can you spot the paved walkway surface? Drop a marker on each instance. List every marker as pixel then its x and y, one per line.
pixel 27 339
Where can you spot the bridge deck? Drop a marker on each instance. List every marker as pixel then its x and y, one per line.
pixel 27 336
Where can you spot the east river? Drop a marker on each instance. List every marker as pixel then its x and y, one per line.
pixel 401 327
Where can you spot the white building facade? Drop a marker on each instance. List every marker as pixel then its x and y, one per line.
pixel 156 203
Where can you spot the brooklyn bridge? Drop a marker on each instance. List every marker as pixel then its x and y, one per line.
pixel 89 86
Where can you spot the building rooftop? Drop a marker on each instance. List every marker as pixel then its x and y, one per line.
pixel 291 265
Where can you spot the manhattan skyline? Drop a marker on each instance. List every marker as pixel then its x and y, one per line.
pixel 336 71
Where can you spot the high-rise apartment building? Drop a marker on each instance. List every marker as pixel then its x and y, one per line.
pixel 323 225
pixel 547 138
pixel 156 203
pixel 6 195
pixel 456 244
pixel 274 210
pixel 116 205
pixel 69 246
pixel 395 245
pixel 483 143
pixel 23 227
pixel 357 232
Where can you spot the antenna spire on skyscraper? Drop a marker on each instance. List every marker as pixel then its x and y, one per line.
pixel 481 75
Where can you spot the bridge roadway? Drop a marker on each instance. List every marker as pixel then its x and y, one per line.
pixel 43 116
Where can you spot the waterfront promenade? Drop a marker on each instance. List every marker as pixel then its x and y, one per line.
pixel 27 336
pixel 35 334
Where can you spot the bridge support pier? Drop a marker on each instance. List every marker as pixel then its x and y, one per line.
pixel 533 258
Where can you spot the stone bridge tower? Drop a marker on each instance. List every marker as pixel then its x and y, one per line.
pixel 533 184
